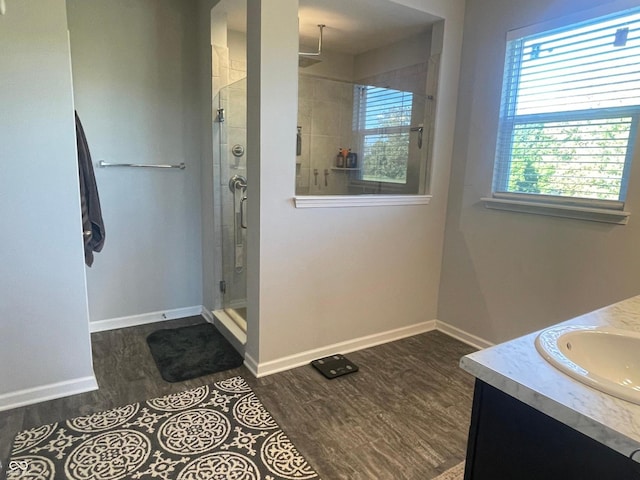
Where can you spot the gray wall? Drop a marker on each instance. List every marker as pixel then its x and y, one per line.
pixel 43 304
pixel 136 85
pixel 317 277
pixel 505 274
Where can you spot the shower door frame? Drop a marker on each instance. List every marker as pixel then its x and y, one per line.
pixel 232 211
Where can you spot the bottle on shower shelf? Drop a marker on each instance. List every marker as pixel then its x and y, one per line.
pixel 340 160
pixel 352 160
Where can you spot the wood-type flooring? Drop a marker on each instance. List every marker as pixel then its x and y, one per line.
pixel 403 416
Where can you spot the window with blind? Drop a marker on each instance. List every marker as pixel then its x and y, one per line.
pixel 569 112
pixel 382 119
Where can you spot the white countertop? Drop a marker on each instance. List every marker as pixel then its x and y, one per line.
pixel 516 368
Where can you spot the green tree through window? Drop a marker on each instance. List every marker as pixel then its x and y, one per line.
pixel 384 119
pixel 570 110
pixel 573 159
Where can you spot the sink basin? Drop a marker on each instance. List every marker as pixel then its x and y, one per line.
pixel 607 359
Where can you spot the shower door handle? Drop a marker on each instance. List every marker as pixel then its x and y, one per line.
pixel 418 129
pixel 242 208
pixel 237 182
pixel 238 185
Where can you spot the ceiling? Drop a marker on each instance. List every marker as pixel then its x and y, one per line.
pixel 352 26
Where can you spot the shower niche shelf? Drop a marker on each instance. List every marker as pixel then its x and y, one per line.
pixel 344 169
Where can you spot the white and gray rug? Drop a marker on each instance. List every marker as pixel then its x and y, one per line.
pixel 212 432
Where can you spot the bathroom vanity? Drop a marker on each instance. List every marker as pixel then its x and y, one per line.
pixel 532 422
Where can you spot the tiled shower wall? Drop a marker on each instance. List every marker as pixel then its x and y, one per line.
pixel 325 113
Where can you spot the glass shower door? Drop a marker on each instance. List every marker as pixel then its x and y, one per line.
pixel 231 116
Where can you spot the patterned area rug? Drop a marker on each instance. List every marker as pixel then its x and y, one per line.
pixel 454 473
pixel 212 432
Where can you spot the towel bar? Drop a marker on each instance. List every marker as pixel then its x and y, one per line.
pixel 102 163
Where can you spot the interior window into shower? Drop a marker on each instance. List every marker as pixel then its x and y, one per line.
pixel 378 142
pixel 366 109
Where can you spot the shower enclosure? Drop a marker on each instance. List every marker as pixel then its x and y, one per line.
pixel 232 194
pixel 368 137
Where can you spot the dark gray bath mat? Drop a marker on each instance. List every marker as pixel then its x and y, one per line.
pixel 193 351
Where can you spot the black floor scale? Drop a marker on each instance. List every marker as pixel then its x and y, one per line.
pixel 334 366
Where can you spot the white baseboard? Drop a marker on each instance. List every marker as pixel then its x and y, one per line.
pixel 144 318
pixel 43 393
pixel 464 337
pixel 303 358
pixel 208 316
pixel 251 364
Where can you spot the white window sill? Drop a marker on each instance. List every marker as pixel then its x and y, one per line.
pixel 332 201
pixel 593 214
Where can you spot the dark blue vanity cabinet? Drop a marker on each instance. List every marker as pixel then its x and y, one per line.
pixel 509 440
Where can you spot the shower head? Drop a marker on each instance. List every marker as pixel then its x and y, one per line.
pixel 304 62
pixel 306 59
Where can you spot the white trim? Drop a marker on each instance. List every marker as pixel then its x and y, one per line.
pixel 577 17
pixel 558 200
pixel 237 319
pixel 208 315
pixel 464 337
pixel 303 358
pixel 605 215
pixel 42 393
pixel 252 365
pixel 329 201
pixel 144 318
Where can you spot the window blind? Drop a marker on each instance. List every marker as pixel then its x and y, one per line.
pixel 385 107
pixel 569 111
pixel 383 122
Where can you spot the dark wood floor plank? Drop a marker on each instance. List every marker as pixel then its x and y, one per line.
pixel 404 415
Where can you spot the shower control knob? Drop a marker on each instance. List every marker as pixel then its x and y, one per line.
pixel 237 150
pixel 237 182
